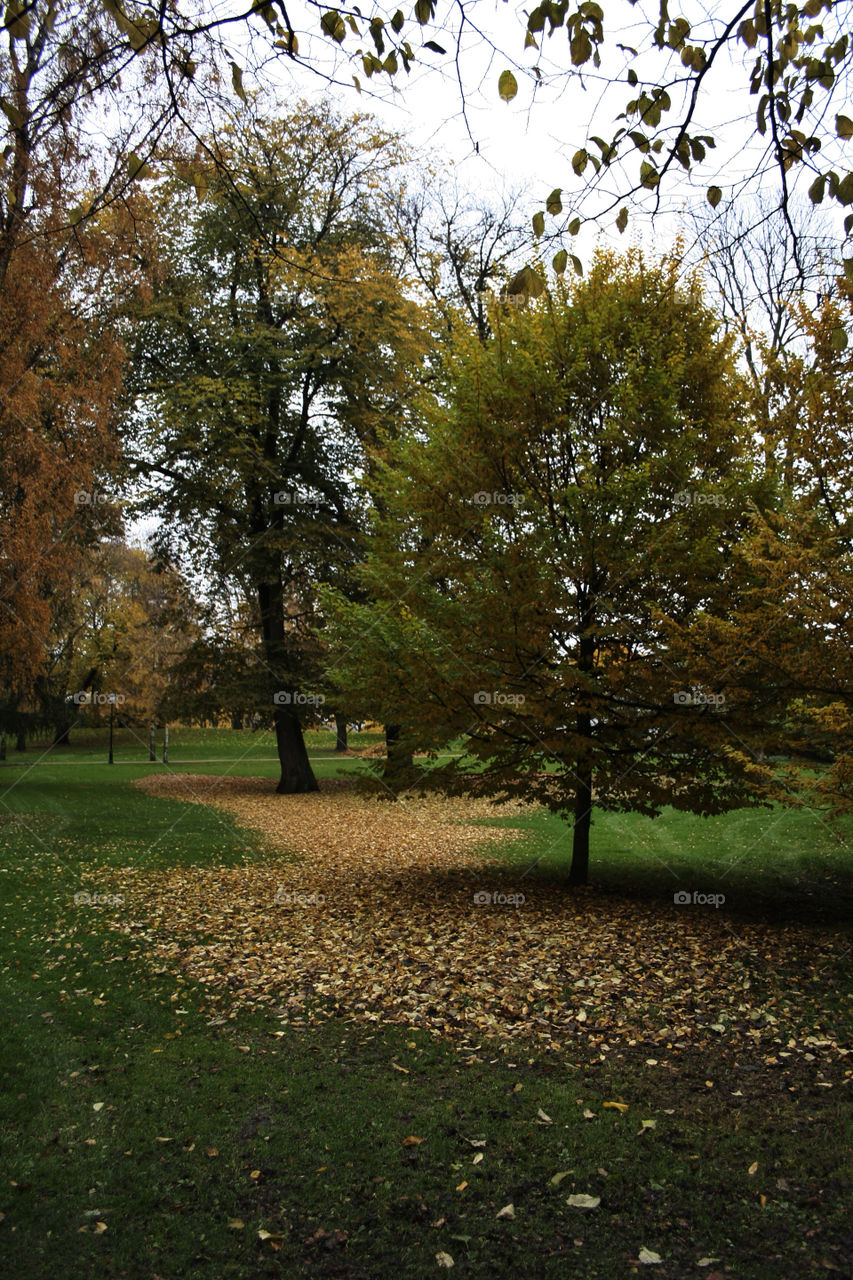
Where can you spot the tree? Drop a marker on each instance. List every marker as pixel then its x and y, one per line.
pixel 783 68
pixel 60 370
pixel 265 366
pixel 122 629
pixel 792 630
pixel 557 527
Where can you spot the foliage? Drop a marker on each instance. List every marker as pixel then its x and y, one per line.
pixel 265 369
pixel 555 530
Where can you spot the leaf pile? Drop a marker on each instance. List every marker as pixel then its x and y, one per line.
pixel 376 920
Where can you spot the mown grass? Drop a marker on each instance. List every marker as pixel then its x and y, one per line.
pixel 128 1101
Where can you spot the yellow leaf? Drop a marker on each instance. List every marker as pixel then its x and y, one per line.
pixel 413 1140
pixel 462 1186
pixel 753 1168
pixel 616 1106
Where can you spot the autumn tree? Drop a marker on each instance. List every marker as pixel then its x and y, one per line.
pixel 123 629
pixel 265 369
pixel 569 501
pixel 792 630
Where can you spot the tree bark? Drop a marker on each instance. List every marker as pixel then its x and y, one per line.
pixel 399 765
pixel 340 733
pixel 297 776
pixel 579 870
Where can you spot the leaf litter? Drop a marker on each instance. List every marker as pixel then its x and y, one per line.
pixel 367 910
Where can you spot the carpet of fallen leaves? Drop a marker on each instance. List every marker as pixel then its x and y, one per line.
pixel 366 909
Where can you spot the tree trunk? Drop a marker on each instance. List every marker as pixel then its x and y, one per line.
pixel 236 720
pixel 61 738
pixel 21 741
pixel 579 870
pixel 340 733
pixel 399 765
pixel 3 745
pixel 297 776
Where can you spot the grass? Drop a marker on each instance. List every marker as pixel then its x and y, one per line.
pixel 128 1101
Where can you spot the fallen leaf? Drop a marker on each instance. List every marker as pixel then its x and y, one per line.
pixel 543 1118
pixel 413 1140
pixel 753 1168
pixel 706 1262
pixel 558 1178
pixel 477 1158
pixel 616 1106
pixel 236 1224
pixel 587 1114
pixel 584 1202
pixel 100 1228
pixel 644 1125
pixel 256 1173
pixel 97 1106
pixel 462 1186
pixel 399 1068
pixel 508 1211
pixel 270 1235
pixel 649 1257
pixel 444 1260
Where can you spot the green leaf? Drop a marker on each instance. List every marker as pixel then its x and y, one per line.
pixel 579 161
pixel 137 168
pixel 554 204
pixel 844 126
pixel 397 21
pixel 817 188
pixel 622 220
pixel 332 24
pixel 17 20
pixel 838 339
pixel 577 264
pixel 507 86
pixel 848 268
pixel 539 223
pixel 560 261
pixel 12 114
pixel 423 11
pixel 649 176
pixel 199 180
pixel 526 284
pixel 574 226
pixel 237 82
pixel 436 48
pixel 714 196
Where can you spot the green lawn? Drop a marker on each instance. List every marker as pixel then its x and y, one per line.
pixel 146 1134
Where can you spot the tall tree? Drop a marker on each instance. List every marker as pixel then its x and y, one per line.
pixel 570 501
pixel 265 366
